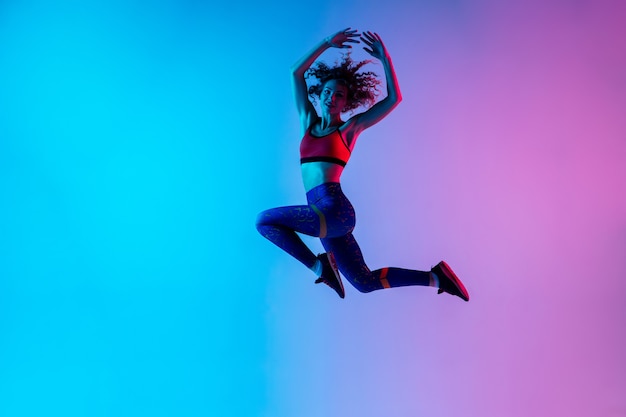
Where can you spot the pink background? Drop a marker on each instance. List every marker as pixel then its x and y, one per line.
pixel 507 158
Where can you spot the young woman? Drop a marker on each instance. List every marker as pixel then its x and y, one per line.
pixel 325 149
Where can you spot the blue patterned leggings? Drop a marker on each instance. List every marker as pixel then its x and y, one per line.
pixel 330 216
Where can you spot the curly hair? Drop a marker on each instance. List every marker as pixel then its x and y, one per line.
pixel 362 86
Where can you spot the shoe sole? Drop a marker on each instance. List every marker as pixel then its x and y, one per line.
pixel 333 266
pixel 455 280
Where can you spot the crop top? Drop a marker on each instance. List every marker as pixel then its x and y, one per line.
pixel 330 148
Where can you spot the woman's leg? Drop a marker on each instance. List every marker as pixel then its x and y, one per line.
pixel 352 265
pixel 328 213
pixel 280 225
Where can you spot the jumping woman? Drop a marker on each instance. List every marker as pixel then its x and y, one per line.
pixel 325 149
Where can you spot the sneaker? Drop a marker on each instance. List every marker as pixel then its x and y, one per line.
pixel 449 282
pixel 330 274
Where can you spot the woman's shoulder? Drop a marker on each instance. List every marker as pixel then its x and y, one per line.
pixel 307 122
pixel 349 131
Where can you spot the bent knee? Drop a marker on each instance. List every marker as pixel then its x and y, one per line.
pixel 262 219
pixel 262 224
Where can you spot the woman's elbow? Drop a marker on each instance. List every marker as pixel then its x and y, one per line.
pixel 398 95
pixel 395 99
pixel 394 96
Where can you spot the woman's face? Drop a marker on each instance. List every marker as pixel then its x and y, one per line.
pixel 334 97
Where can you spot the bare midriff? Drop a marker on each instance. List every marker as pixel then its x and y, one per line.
pixel 318 173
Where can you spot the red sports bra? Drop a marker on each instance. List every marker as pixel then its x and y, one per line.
pixel 330 148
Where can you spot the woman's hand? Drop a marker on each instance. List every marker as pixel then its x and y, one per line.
pixel 375 47
pixel 375 44
pixel 341 38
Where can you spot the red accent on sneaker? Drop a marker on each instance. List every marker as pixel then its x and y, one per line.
pixel 330 274
pixel 449 282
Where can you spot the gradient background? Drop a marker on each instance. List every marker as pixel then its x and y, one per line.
pixel 138 140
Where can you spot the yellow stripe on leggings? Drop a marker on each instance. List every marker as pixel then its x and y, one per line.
pixel 323 230
pixel 383 278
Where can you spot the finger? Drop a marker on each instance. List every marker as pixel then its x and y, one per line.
pixel 369 51
pixel 349 33
pixel 341 32
pixel 369 37
pixel 375 37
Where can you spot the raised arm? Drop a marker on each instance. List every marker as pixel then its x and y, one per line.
pixel 306 111
pixel 377 112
